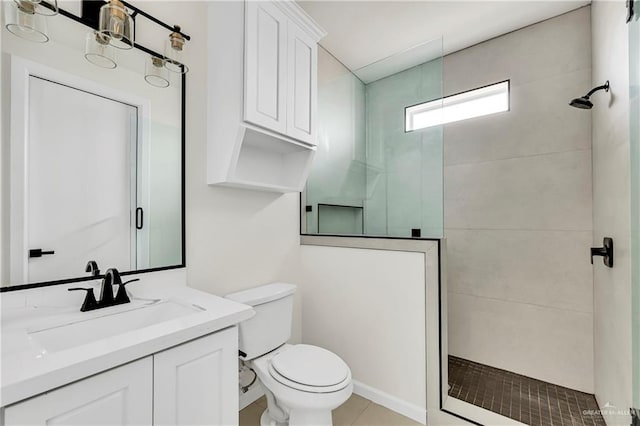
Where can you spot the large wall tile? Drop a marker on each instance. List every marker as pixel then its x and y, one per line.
pixel 547 268
pixel 551 192
pixel 539 121
pixel 557 46
pixel 545 343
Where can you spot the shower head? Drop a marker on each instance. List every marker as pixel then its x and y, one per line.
pixel 584 102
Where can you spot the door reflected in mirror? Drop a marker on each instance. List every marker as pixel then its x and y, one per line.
pixel 94 160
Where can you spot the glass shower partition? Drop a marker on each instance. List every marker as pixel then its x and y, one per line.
pixel 634 119
pixel 371 176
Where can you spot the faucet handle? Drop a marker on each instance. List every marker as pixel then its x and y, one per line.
pixel 92 267
pixel 90 302
pixel 121 295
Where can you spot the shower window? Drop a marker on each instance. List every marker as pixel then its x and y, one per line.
pixel 473 103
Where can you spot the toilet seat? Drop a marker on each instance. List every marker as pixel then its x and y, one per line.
pixel 310 369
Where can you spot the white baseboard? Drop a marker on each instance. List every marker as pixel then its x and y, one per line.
pixel 253 394
pixel 391 402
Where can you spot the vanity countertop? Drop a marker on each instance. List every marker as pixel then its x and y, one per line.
pixel 35 359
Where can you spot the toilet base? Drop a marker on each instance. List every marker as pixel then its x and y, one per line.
pixel 267 420
pixel 299 418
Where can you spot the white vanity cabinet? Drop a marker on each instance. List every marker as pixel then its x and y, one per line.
pixel 196 383
pixel 121 396
pixel 193 383
pixel 262 99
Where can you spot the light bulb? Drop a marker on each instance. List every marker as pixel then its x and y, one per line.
pixel 116 24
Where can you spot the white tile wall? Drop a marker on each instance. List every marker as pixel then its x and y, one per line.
pixel 549 192
pixel 545 268
pixel 558 342
pixel 553 47
pixel 538 122
pixel 518 206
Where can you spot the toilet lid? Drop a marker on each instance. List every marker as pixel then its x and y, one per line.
pixel 310 365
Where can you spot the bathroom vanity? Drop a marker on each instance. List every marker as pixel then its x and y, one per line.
pixel 168 357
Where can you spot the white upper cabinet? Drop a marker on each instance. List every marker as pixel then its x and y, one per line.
pixel 280 71
pixel 265 66
pixel 262 94
pixel 302 70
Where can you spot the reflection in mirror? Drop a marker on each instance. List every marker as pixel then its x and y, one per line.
pixel 94 157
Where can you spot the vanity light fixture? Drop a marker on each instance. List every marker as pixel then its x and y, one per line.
pixel 116 24
pixel 173 52
pixel 99 52
pixel 26 18
pixel 156 73
pixel 42 7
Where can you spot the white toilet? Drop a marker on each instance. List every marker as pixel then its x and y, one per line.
pixel 303 383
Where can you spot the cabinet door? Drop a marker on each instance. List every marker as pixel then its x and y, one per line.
pixel 121 396
pixel 265 66
pixel 197 383
pixel 301 85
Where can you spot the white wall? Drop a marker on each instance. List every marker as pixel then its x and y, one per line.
pixel 611 217
pixel 368 306
pixel 518 206
pixel 236 238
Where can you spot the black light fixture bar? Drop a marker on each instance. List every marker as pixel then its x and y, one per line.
pixel 86 22
pixel 154 19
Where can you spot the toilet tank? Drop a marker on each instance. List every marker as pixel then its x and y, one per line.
pixel 270 327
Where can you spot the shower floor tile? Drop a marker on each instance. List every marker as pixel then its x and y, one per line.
pixel 522 398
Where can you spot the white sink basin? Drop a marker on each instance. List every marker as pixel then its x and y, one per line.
pixel 46 342
pixel 111 322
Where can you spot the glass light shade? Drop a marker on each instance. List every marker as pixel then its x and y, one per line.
pixel 41 7
pixel 156 74
pixel 99 52
pixel 117 25
pixel 21 20
pixel 173 53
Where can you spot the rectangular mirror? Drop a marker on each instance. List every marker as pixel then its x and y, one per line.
pixel 94 159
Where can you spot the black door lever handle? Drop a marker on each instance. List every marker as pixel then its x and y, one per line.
pixel 606 252
pixel 40 252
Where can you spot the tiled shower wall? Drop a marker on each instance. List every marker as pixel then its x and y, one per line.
pixel 518 206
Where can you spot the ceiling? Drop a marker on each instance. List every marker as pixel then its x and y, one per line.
pixel 363 32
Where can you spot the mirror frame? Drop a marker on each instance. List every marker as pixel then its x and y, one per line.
pixel 183 263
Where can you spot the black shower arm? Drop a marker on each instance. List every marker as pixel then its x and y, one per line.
pixel 595 89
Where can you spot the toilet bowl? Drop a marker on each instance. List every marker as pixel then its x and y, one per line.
pixel 306 383
pixel 302 383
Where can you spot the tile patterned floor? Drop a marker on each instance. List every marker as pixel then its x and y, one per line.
pixel 357 411
pixel 522 398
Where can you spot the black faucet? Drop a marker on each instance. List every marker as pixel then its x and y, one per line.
pixel 111 278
